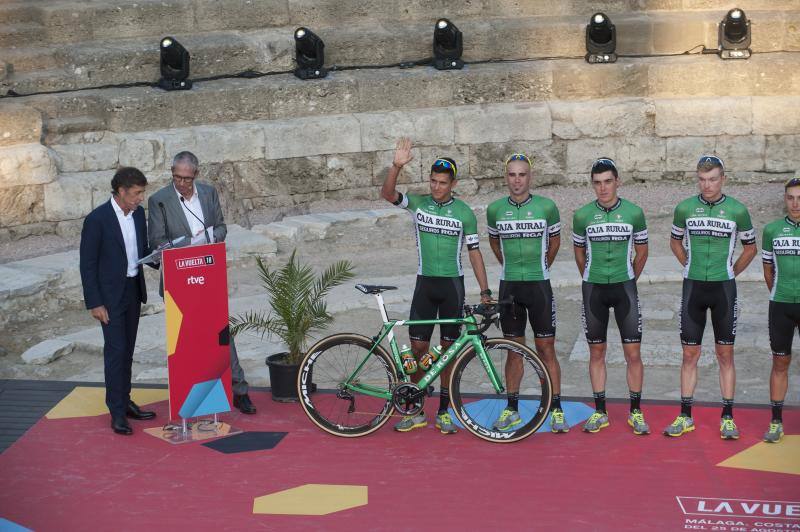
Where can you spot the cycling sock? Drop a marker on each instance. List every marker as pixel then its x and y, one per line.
pixel 513 400
pixel 777 411
pixel 600 401
pixel 556 404
pixel 444 401
pixel 636 400
pixel 727 407
pixel 686 406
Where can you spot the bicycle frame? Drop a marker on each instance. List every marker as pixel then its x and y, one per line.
pixel 469 336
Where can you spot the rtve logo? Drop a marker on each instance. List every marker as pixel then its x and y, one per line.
pixel 196 280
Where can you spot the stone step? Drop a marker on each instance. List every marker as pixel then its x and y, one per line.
pixel 284 96
pixel 120 61
pixel 69 21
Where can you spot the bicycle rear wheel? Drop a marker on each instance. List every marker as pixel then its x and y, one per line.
pixel 330 363
pixel 478 407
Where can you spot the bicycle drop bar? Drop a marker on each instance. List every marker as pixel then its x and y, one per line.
pixel 490 313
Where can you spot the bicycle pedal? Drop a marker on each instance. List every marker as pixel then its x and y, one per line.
pixel 429 390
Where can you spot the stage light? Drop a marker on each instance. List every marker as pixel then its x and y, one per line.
pixel 734 35
pixel 448 46
pixel 174 66
pixel 309 54
pixel 601 40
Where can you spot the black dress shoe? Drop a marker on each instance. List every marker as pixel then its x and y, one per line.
pixel 244 404
pixel 134 412
pixel 120 426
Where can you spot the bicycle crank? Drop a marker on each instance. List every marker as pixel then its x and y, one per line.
pixel 408 399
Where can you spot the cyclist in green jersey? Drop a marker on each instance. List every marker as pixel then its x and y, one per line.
pixel 609 237
pixel 781 257
pixel 525 234
pixel 442 224
pixel 704 232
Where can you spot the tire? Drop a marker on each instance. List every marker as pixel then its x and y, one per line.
pixel 476 404
pixel 330 362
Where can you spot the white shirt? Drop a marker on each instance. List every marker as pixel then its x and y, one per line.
pixel 192 206
pixel 129 236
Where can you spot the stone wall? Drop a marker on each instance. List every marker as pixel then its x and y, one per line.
pixel 280 164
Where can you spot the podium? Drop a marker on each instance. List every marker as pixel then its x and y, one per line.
pixel 198 341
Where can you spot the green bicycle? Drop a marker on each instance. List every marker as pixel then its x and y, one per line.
pixel 358 385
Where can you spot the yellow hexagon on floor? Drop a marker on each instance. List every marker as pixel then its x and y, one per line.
pixel 782 457
pixel 85 401
pixel 311 499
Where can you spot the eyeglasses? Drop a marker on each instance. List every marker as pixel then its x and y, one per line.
pixel 183 179
pixel 444 163
pixel 713 159
pixel 603 161
pixel 518 157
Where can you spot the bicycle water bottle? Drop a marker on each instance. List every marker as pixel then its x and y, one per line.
pixel 427 360
pixel 408 360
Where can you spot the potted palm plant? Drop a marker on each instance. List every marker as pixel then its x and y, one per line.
pixel 296 296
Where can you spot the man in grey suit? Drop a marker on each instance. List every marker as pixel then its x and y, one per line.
pixel 192 210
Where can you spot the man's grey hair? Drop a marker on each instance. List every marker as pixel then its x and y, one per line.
pixel 186 157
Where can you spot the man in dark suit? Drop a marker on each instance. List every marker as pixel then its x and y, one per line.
pixel 113 238
pixel 192 210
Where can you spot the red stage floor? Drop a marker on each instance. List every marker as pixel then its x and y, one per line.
pixel 75 474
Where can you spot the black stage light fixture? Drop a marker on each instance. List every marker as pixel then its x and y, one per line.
pixel 448 45
pixel 174 66
pixel 309 54
pixel 734 35
pixel 601 40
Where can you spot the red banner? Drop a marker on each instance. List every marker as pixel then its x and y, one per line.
pixel 198 349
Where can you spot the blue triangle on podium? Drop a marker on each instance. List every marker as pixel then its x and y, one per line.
pixel 205 398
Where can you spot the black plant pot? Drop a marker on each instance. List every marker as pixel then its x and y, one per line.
pixel 283 378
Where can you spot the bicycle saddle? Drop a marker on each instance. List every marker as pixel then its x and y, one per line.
pixel 373 288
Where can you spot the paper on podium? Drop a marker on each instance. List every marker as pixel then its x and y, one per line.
pixel 155 256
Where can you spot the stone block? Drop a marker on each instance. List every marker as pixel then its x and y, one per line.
pixel 425 127
pixel 501 122
pixel 641 154
pixel 20 124
pixel 411 173
pixel 114 20
pixel 70 196
pixel 348 170
pixel 602 118
pixel 26 164
pixel 677 32
pixel 507 82
pixel 572 80
pixel 215 144
pixel 210 15
pixel 782 153
pixel 47 351
pixel 703 116
pixel 778 115
pixel 305 137
pixel 140 153
pixel 582 153
pixel 68 157
pixel 401 89
pixel 742 153
pixel 21 205
pixel 684 152
pixel 100 156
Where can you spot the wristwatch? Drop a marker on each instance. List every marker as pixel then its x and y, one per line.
pixel 486 292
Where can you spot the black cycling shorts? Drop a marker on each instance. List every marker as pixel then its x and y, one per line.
pixel 437 297
pixel 599 298
pixel 717 296
pixel 784 318
pixel 534 302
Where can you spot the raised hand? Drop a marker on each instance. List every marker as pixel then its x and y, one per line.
pixel 402 153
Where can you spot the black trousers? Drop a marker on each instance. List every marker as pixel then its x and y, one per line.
pixel 119 337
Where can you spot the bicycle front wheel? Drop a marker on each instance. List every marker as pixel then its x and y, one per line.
pixel 479 407
pixel 325 399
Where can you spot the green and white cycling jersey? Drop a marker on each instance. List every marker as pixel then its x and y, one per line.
pixel 609 234
pixel 708 231
pixel 524 230
pixel 441 230
pixel 780 247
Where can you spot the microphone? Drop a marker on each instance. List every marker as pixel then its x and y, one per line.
pixel 166 225
pixel 205 232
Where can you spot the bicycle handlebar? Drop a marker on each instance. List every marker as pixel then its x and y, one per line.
pixel 489 311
